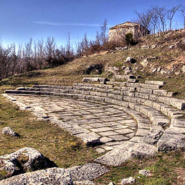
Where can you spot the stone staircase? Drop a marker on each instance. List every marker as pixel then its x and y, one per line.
pixel 156 114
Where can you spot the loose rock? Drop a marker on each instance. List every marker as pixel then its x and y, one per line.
pixel 56 176
pixel 145 173
pixel 9 131
pixel 127 71
pixel 83 183
pixel 129 180
pixel 144 63
pixel 153 135
pixel 126 152
pixel 24 160
pixel 88 171
pixel 130 60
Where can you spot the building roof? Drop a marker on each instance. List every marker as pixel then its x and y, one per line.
pixel 123 25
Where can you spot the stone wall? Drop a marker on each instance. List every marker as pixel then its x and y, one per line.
pixel 117 33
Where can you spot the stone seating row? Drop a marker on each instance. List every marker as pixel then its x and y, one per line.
pixel 149 107
pixel 161 116
pixel 155 116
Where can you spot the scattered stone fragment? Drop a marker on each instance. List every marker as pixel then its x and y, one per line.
pixel 129 180
pixel 171 47
pixel 145 47
pixel 146 173
pixel 111 183
pixel 130 60
pixel 57 176
pixel 170 142
pixel 153 135
pixel 88 171
pixel 21 88
pixel 83 183
pixel 10 132
pixel 100 150
pixel 144 63
pixel 24 160
pixel 125 152
pixel 127 71
pixel 95 68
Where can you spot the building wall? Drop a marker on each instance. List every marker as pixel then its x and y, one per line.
pixel 118 34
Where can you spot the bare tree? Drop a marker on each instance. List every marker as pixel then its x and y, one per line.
pixel 50 47
pixel 171 12
pixel 162 13
pixel 97 41
pixel 40 53
pixel 28 54
pixel 183 14
pixel 103 35
pixel 144 18
pixel 154 20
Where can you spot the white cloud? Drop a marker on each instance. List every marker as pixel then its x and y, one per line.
pixel 64 24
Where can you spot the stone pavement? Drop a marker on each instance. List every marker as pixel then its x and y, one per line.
pixel 99 124
pixel 127 119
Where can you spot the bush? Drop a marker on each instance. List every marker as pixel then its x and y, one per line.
pixel 129 39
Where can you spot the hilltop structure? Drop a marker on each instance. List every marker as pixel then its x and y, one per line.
pixel 117 33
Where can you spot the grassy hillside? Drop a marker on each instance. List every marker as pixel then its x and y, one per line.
pixel 60 147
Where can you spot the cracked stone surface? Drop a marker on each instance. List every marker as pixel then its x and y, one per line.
pixel 94 123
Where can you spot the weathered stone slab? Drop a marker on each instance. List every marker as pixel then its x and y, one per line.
pixel 125 152
pixel 108 133
pixel 89 138
pixel 160 120
pixel 124 131
pixel 169 142
pixel 57 176
pixel 142 90
pixel 153 135
pixel 103 129
pixel 88 171
pixel 178 123
pixel 119 138
pixel 93 79
pixel 142 132
pixel 160 92
pixel 154 82
pixel 180 104
pixel 30 158
pixel 83 183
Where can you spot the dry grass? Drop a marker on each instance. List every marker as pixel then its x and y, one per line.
pixel 64 149
pixel 53 142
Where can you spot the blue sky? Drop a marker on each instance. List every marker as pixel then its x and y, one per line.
pixel 37 19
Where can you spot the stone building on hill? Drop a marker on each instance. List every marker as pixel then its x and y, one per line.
pixel 117 33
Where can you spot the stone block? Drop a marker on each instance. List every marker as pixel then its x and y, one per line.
pixel 126 152
pixel 153 97
pixel 178 123
pixel 142 132
pixel 148 103
pixel 180 104
pixel 90 139
pixel 142 90
pixel 119 138
pixel 160 92
pixel 160 120
pixel 87 171
pixel 123 103
pixel 154 82
pixel 170 142
pixel 153 135
pixel 57 176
